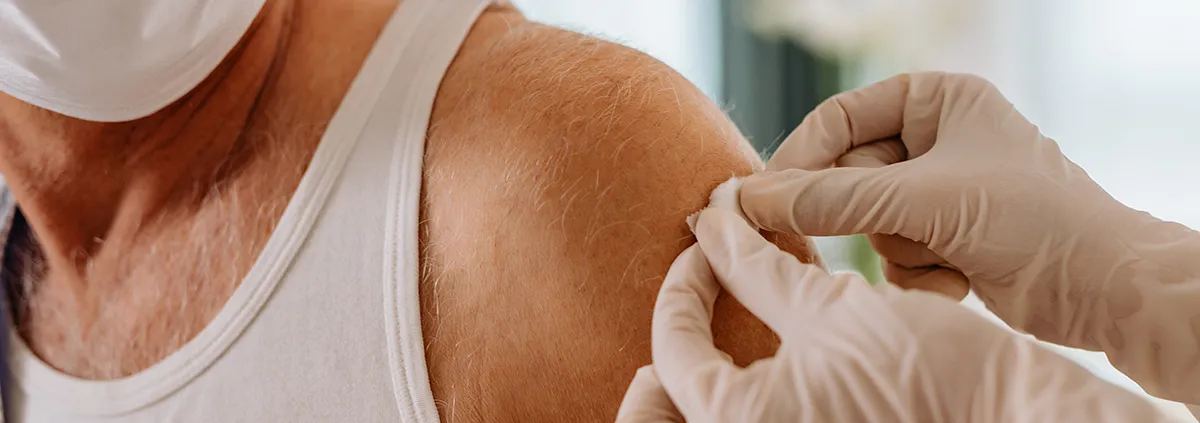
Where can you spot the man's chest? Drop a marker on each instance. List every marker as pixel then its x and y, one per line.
pixel 146 292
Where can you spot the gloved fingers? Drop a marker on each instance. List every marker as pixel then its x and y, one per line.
pixel 770 283
pixel 939 280
pixel 843 122
pixel 765 392
pixel 905 252
pixel 833 202
pixel 747 265
pixel 908 106
pixel 875 154
pixel 646 401
pixel 686 361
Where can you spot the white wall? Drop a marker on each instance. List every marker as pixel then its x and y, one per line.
pixel 1118 85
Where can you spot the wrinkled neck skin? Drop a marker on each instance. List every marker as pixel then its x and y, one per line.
pixel 79 182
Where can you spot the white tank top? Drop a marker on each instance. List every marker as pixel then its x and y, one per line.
pixel 326 325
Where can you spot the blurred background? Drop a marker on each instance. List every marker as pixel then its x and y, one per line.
pixel 1115 82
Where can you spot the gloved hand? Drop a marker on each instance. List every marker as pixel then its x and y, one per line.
pixel 850 352
pixel 970 185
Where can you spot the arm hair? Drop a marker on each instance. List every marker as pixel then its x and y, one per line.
pixel 559 171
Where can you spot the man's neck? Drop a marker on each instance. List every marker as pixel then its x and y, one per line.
pixel 78 182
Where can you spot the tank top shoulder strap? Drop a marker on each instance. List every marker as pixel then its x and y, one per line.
pixel 420 43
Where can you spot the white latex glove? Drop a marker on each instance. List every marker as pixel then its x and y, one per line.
pixel 971 185
pixel 849 353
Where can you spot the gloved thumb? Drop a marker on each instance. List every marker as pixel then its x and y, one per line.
pixel 833 202
pixel 646 401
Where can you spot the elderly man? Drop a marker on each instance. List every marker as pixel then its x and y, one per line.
pixel 362 210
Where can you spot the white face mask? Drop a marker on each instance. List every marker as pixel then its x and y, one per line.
pixel 114 60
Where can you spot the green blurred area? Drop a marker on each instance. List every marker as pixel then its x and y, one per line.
pixel 864 260
pixel 769 86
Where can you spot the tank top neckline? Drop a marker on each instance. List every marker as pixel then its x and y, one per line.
pixel 117 396
pixel 123 395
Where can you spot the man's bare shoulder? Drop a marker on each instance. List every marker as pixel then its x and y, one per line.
pixel 550 108
pixel 558 173
pixel 558 106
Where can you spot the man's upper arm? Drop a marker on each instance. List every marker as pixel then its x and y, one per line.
pixel 581 159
